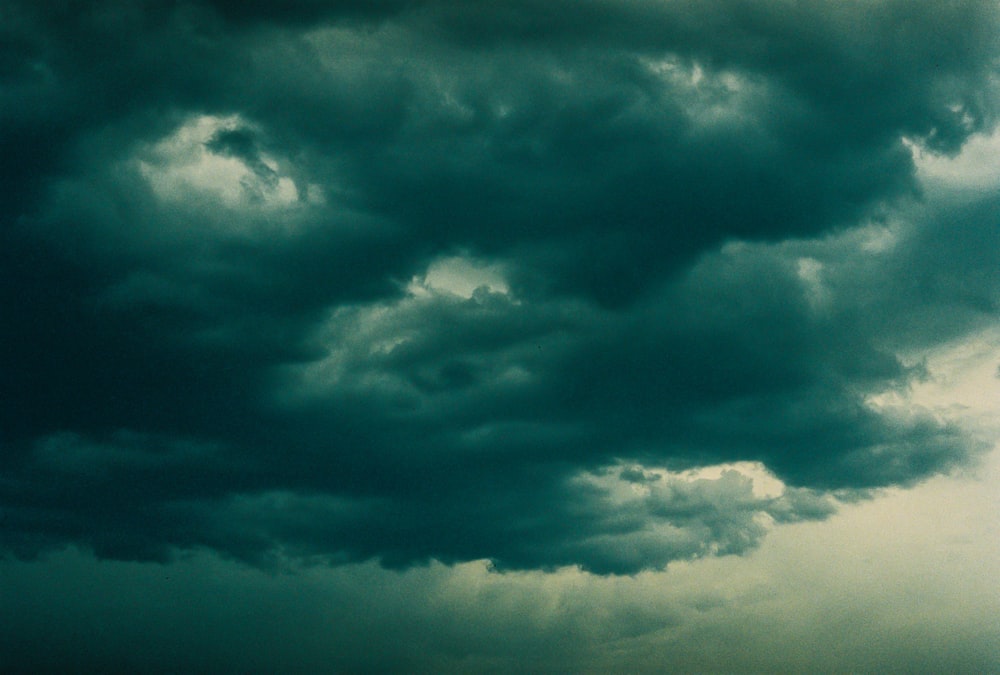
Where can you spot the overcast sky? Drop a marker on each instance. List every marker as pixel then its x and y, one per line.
pixel 499 336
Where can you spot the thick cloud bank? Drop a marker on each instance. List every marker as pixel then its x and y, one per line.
pixel 599 283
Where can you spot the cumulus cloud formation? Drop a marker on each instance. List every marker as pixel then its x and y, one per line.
pixel 550 284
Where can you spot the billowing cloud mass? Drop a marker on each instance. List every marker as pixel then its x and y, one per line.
pixel 550 284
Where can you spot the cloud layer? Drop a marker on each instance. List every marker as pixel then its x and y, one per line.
pixel 599 284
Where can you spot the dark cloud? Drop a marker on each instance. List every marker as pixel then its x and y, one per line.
pixel 437 280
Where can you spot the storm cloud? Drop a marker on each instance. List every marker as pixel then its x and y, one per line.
pixel 549 284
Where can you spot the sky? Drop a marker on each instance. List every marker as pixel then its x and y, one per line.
pixel 508 336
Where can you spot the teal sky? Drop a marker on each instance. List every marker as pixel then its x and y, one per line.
pixel 511 336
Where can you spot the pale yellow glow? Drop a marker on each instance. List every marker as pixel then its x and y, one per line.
pixel 180 167
pixel 459 276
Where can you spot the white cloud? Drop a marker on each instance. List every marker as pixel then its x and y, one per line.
pixel 810 272
pixel 962 384
pixel 976 168
pixel 181 166
pixel 460 276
